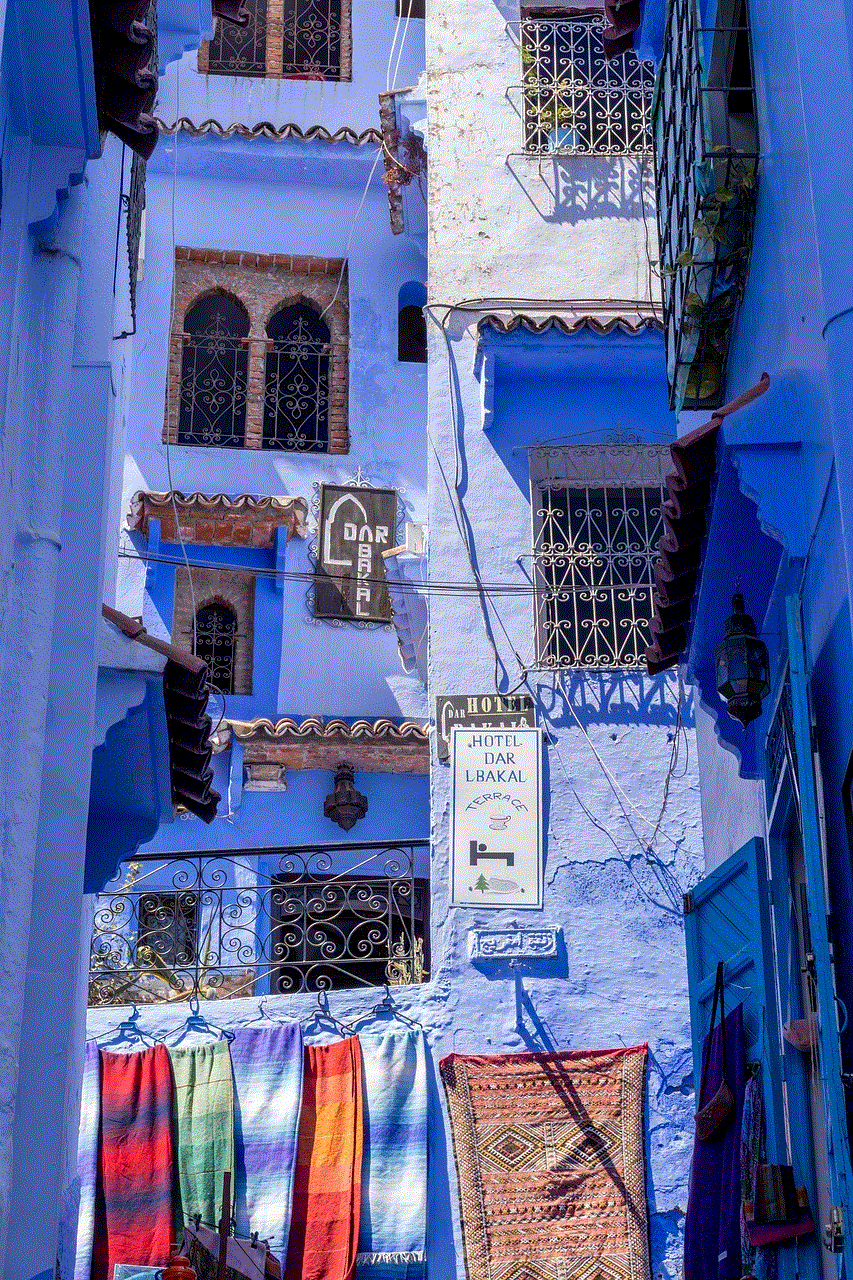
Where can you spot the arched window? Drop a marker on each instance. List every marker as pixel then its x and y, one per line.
pixel 296 381
pixel 214 373
pixel 215 644
pixel 411 335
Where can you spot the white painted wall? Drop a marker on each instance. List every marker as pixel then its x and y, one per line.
pixel 506 224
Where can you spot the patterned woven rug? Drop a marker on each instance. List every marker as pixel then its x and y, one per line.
pixel 549 1153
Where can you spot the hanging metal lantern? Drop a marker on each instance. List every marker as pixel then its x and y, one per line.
pixel 345 805
pixel 743 666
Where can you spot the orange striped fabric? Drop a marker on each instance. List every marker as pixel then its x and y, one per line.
pixel 327 1186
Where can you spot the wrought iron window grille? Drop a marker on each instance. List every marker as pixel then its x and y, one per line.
pixel 214 374
pixel 596 525
pixel 311 35
pixel 241 51
pixel 216 635
pixel 780 748
pixel 318 918
pixel 296 381
pixel 134 206
pixel 576 101
pixel 706 161
pixel 312 39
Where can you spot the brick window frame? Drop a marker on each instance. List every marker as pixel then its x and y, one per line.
pixel 275 45
pixel 235 590
pixel 263 283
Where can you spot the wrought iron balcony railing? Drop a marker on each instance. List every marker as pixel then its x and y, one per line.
pixel 239 923
pixel 706 158
pixel 577 101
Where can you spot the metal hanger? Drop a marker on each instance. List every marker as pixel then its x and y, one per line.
pixel 128 1030
pixel 196 1021
pixel 322 1013
pixel 388 1005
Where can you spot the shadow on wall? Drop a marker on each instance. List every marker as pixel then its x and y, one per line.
pixel 574 189
pixel 613 698
pixel 441 1250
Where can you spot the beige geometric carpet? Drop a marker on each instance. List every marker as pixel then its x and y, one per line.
pixel 550 1161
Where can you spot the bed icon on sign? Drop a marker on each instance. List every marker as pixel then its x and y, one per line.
pixel 481 853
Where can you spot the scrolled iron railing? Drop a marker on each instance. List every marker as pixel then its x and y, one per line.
pixel 577 101
pixel 238 923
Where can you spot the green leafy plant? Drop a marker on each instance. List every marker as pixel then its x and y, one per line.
pixel 717 263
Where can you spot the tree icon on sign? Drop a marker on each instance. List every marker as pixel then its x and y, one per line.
pixel 482 884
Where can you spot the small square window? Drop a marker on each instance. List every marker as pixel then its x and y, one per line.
pixel 596 524
pixel 577 101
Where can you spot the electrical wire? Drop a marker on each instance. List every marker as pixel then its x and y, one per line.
pixel 524 589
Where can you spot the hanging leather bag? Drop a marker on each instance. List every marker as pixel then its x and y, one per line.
pixel 713 1116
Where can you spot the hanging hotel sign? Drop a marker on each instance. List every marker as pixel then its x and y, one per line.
pixel 482 711
pixel 356 526
pixel 496 833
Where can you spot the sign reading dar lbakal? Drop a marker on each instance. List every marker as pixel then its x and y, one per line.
pixel 356 526
pixel 496 833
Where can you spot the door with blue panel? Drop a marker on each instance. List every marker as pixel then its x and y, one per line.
pixel 728 918
pixel 801 845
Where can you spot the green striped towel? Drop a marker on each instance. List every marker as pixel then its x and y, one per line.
pixel 203 1119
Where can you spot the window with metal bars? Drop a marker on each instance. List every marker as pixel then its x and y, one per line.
pixel 312 39
pixel 596 524
pixel 296 381
pixel 241 51
pixel 349 932
pixel 706 174
pixel 215 644
pixel 576 100
pixel 214 373
pixel 168 928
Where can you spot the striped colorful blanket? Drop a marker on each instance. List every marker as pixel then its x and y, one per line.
pixel 392 1235
pixel 135 1164
pixel 203 1119
pixel 267 1065
pixel 327 1186
pixel 87 1159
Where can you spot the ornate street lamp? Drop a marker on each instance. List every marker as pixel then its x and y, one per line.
pixel 345 805
pixel 743 666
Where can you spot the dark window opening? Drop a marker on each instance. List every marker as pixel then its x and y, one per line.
pixel 411 8
pixel 215 644
pixel 168 929
pixel 312 39
pixel 296 381
pixel 576 100
pixel 214 374
pixel 349 933
pixel 241 51
pixel 594 556
pixel 411 336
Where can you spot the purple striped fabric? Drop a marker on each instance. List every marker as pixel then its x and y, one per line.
pixel 267 1065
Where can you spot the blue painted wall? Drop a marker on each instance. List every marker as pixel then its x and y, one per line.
pixel 621 843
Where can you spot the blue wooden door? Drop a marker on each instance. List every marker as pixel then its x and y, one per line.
pixel 727 918
pixel 837 1138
